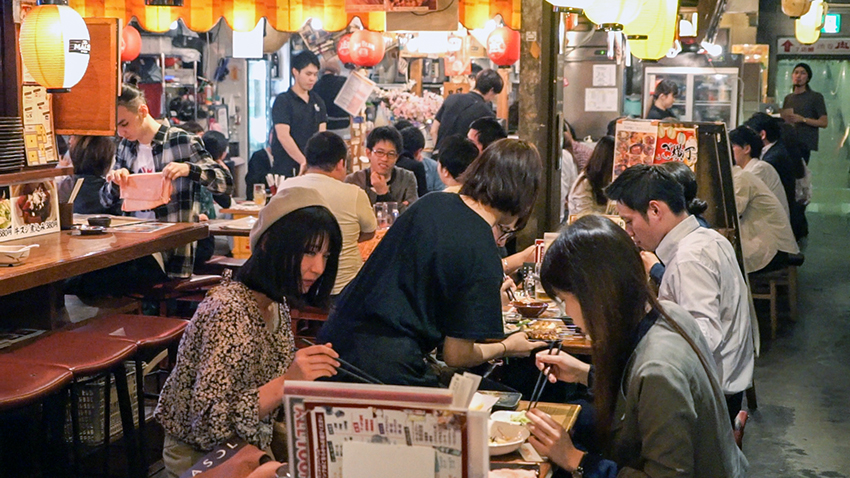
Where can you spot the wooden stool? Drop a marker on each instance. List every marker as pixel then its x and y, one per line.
pixel 151 335
pixel 87 356
pixel 191 289
pixel 765 287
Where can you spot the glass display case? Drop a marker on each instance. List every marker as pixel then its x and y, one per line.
pixel 705 94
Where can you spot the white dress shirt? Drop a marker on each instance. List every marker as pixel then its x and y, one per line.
pixel 568 176
pixel 765 229
pixel 702 276
pixel 767 173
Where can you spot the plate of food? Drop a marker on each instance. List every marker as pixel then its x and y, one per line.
pixel 506 436
pixel 34 202
pixel 5 209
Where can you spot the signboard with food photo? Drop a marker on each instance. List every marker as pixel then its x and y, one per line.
pixel 28 209
pixel 5 213
pixel 634 143
pixel 676 143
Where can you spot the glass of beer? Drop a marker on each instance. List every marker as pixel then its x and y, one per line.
pixel 260 194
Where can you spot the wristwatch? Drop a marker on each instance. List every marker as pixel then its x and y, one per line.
pixel 579 471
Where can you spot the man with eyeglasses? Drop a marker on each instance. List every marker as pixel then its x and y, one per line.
pixel 383 181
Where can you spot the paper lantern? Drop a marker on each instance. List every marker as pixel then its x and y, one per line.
pixel 652 32
pixel 343 49
pixel 55 46
pixel 572 6
pixel 367 48
pixel 807 28
pixel 613 14
pixel 796 8
pixel 131 43
pixel 274 40
pixel 503 46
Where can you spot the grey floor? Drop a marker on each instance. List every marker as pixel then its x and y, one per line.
pixel 802 425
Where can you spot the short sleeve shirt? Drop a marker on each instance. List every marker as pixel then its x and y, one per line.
pixel 435 274
pixel 303 118
pixel 458 112
pixel 808 104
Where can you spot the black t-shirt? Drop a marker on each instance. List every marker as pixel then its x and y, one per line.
pixel 659 114
pixel 808 104
pixel 303 118
pixel 458 112
pixel 435 274
pixel 327 88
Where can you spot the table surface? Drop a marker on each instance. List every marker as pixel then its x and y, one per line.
pixel 61 255
pixel 230 227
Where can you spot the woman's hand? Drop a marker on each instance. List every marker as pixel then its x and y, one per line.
pixel 518 345
pixel 507 284
pixel 550 439
pixel 564 367
pixel 313 362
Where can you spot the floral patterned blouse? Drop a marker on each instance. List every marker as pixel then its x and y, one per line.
pixel 226 354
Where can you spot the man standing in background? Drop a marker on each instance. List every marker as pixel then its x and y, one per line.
pixel 806 109
pixel 328 86
pixel 297 114
pixel 461 109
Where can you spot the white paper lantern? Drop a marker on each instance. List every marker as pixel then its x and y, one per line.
pixel 807 28
pixel 55 46
pixel 655 26
pixel 613 14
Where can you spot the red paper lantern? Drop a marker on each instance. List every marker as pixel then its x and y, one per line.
pixel 343 49
pixel 132 43
pixel 367 48
pixel 503 46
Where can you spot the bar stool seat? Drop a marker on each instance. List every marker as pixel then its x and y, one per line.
pixel 26 384
pixel 188 289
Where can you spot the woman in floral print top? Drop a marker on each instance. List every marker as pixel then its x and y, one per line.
pixel 238 349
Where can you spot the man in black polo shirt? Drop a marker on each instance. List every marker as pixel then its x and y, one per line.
pixel 460 110
pixel 298 114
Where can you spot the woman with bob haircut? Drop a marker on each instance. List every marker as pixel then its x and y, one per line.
pixel 238 349
pixel 660 411
pixel 435 277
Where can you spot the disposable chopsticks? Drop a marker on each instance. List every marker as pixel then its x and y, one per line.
pixel 542 378
pixel 350 369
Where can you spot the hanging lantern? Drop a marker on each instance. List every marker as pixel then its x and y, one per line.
pixel 652 32
pixel 131 43
pixel 55 46
pixel 274 39
pixel 613 14
pixel 796 8
pixel 366 48
pixel 343 49
pixel 570 6
pixel 503 46
pixel 807 28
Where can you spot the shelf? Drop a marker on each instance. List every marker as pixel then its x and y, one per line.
pixel 35 174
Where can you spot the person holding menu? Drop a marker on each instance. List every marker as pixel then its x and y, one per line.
pixel 435 277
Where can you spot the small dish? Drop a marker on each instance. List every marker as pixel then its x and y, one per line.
pixel 530 309
pixel 84 230
pixel 101 221
pixel 506 437
pixel 14 255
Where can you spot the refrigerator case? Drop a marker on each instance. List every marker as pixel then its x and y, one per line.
pixel 705 94
pixel 259 104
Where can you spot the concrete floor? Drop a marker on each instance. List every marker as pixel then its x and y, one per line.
pixel 802 425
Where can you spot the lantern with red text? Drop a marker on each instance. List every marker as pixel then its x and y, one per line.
pixel 343 49
pixel 503 46
pixel 367 48
pixel 132 43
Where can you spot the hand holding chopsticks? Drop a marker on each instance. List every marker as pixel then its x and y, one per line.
pixel 348 369
pixel 542 378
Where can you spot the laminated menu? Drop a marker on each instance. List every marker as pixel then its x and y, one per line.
pixel 28 209
pixel 653 142
pixel 143 192
pixel 338 430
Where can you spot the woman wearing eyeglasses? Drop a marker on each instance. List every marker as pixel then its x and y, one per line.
pixel 435 277
pixel 382 180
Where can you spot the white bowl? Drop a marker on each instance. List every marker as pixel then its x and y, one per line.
pixel 11 255
pixel 507 416
pixel 509 436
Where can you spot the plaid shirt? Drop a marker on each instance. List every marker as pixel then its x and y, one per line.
pixel 173 144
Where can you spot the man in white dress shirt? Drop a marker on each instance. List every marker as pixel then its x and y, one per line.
pixel 702 273
pixel 746 149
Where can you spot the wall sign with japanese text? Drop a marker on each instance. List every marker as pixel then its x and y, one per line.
pixel 824 46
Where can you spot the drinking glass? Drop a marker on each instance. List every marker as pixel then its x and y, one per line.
pixel 392 212
pixel 260 194
pixel 382 215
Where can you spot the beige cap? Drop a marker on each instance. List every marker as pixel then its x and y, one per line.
pixel 284 202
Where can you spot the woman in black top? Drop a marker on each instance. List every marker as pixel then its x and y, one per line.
pixel 662 100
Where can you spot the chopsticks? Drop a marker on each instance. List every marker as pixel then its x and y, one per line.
pixel 349 369
pixel 542 378
pixel 508 290
pixel 76 190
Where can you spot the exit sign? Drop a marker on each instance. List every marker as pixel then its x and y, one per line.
pixel 831 23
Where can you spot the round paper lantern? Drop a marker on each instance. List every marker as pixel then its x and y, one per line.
pixel 613 14
pixel 796 8
pixel 503 46
pixel 807 28
pixel 652 32
pixel 132 43
pixel 55 46
pixel 274 39
pixel 343 49
pixel 367 48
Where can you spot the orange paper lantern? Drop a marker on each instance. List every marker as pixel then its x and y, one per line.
pixel 503 46
pixel 343 49
pixel 131 43
pixel 367 48
pixel 55 46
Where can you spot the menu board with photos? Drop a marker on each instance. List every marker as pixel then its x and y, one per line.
pixel 653 142
pixel 676 143
pixel 28 209
pixel 38 126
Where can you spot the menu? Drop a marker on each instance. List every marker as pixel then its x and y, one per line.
pixel 354 93
pixel 676 143
pixel 38 126
pixel 28 209
pixel 653 142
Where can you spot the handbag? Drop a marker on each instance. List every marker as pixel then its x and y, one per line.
pixel 143 192
pixel 234 458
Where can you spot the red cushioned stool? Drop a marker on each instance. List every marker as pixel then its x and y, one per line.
pixel 192 289
pixel 151 335
pixel 89 356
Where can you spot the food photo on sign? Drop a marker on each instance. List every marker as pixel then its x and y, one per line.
pixel 676 143
pixel 634 143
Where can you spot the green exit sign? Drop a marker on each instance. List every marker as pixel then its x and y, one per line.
pixel 831 23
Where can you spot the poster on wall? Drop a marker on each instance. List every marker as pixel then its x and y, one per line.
pixel 634 143
pixel 38 126
pixel 360 6
pixel 676 143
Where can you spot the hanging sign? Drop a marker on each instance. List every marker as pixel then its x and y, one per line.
pixel 653 142
pixel 824 46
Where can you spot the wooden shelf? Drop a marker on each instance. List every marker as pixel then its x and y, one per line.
pixel 35 174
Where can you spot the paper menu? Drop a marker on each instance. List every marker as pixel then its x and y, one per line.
pixel 634 143
pixel 38 126
pixel 372 460
pixel 354 93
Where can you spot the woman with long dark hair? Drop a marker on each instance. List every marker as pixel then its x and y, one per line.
pixel 659 408
pixel 238 350
pixel 587 196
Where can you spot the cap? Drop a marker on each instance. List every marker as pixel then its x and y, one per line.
pixel 284 202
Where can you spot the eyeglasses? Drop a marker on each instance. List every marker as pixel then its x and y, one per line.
pixel 385 154
pixel 506 232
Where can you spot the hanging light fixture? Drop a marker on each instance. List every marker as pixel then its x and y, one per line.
pixel 807 28
pixel 55 45
pixel 613 14
pixel 652 32
pixel 796 8
pixel 570 6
